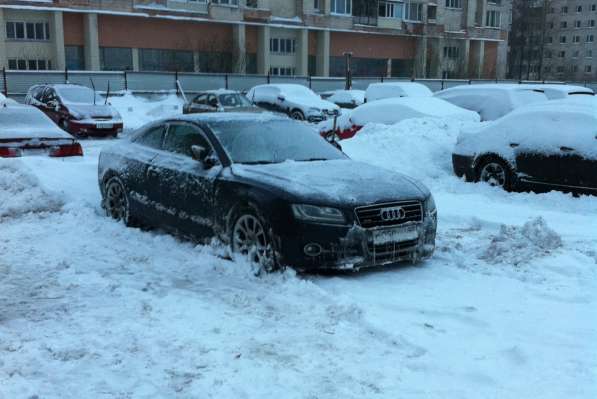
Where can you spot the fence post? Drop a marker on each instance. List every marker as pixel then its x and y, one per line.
pixel 5 83
pixel 310 82
pixel 176 82
pixel 65 75
pixel 268 79
pixel 126 82
pixel 226 80
pixel 381 78
pixel 442 84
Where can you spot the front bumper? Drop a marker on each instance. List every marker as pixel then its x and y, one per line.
pixel 353 248
pixel 463 166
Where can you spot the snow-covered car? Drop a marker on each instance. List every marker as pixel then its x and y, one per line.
pixel 560 91
pixel 394 110
pixel 297 101
pixel 76 109
pixel 380 91
pixel 25 130
pixel 219 101
pixel 7 101
pixel 549 145
pixel 345 98
pixel 271 188
pixel 492 100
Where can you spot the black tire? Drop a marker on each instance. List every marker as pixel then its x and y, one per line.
pixel 496 172
pixel 297 114
pixel 251 236
pixel 116 202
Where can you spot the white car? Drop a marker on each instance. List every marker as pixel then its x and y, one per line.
pixel 25 130
pixel 548 145
pixel 380 91
pixel 7 101
pixel 491 101
pixel 297 101
pixel 345 98
pixel 560 91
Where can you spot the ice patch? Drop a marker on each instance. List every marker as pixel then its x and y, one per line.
pixel 21 192
pixel 518 245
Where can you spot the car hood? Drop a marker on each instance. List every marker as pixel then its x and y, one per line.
pixel 243 109
pixel 338 182
pixel 90 111
pixel 314 103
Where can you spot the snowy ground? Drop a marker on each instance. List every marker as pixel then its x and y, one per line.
pixel 507 308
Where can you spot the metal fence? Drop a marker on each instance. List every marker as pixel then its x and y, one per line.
pixel 15 84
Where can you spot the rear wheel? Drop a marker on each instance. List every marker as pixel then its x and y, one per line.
pixel 496 173
pixel 298 115
pixel 250 237
pixel 116 201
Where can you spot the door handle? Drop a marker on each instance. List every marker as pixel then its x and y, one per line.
pixel 566 149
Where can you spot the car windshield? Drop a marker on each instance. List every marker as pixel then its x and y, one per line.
pixel 233 100
pixel 80 95
pixel 275 141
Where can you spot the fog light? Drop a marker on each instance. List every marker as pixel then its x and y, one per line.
pixel 312 249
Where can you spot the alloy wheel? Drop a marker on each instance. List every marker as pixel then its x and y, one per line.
pixel 250 239
pixel 298 115
pixel 494 174
pixel 116 201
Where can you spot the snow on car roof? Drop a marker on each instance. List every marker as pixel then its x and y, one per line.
pixel 210 117
pixel 558 91
pixel 394 110
pixel 25 121
pixel 485 86
pixel 406 89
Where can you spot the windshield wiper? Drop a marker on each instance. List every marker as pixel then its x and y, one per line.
pixel 264 162
pixel 312 159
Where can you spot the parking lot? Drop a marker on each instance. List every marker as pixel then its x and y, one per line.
pixel 505 308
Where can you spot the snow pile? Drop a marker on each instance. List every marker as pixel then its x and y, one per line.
pixel 21 192
pixel 138 110
pixel 517 245
pixel 420 148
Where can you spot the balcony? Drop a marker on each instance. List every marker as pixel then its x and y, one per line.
pixel 365 12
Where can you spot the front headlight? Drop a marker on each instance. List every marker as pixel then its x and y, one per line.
pixel 318 214
pixel 430 209
pixel 314 111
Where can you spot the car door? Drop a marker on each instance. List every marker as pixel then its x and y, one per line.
pixel 52 105
pixel 142 177
pixel 186 184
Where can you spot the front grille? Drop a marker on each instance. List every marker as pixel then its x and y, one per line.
pixel 388 214
pixel 392 251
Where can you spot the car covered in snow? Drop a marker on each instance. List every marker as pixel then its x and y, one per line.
pixel 271 188
pixel 380 91
pixel 549 145
pixel 345 98
pixel 4 100
pixel 491 100
pixel 394 110
pixel 297 101
pixel 25 130
pixel 76 109
pixel 219 101
pixel 560 91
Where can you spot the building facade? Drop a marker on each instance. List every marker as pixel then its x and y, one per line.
pixel 402 38
pixel 554 40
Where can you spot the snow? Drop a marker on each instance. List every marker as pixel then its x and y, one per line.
pixel 137 111
pixel 561 91
pixel 491 101
pixel 378 91
pixel 393 110
pixel 356 97
pixel 293 95
pixel 90 308
pixel 24 121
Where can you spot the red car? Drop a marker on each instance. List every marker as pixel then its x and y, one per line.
pixel 25 130
pixel 76 109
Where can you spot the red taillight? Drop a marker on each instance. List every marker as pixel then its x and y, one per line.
pixel 9 152
pixel 69 150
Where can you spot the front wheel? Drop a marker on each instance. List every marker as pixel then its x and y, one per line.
pixel 496 173
pixel 116 201
pixel 297 115
pixel 250 238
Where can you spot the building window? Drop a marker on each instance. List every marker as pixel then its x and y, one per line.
pixel 590 38
pixel 391 9
pixel 31 65
pixel 116 59
pixel 589 54
pixel 574 68
pixel 578 8
pixel 562 39
pixel 282 46
pixel 593 7
pixel 560 69
pixel 166 60
pixel 575 54
pixel 27 31
pixel 252 4
pixel 493 19
pixel 588 69
pixel 563 24
pixel 562 54
pixel 591 23
pixel 577 24
pixel 281 71
pixel 225 2
pixel 548 40
pixel 453 3
pixel 576 39
pixel 75 57
pixel 413 12
pixel 564 10
pixel 451 52
pixel 343 7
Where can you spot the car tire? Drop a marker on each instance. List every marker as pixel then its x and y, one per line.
pixel 251 237
pixel 297 114
pixel 496 172
pixel 116 201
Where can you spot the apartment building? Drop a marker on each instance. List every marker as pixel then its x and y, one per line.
pixel 405 38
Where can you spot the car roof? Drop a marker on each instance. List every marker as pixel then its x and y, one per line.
pixel 493 86
pixel 214 117
pixel 25 121
pixel 219 91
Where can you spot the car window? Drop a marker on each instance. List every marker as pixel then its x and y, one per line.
pixel 212 101
pixel 49 95
pixel 181 137
pixel 152 137
pixel 200 99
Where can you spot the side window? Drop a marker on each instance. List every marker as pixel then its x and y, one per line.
pixel 152 137
pixel 212 101
pixel 200 99
pixel 181 137
pixel 50 95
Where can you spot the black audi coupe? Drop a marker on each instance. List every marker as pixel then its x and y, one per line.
pixel 269 187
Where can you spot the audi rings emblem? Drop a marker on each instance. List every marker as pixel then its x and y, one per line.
pixel 392 214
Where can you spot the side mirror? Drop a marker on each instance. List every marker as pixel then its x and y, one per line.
pixel 199 152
